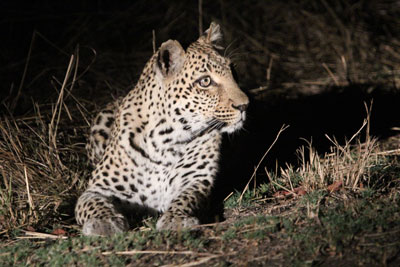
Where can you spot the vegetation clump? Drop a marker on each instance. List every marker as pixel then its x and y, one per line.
pixel 335 204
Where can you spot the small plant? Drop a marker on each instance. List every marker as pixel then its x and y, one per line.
pixel 346 166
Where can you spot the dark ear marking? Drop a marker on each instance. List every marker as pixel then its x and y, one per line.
pixel 170 58
pixel 159 64
pixel 166 59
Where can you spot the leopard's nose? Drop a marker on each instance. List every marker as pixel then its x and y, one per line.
pixel 241 107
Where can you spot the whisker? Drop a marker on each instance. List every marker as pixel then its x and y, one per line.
pixel 212 124
pixel 228 47
pixel 234 52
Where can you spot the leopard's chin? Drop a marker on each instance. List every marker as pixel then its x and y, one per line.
pixel 232 128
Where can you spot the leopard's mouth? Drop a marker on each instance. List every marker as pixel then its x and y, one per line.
pixel 211 125
pixel 216 124
pixel 235 124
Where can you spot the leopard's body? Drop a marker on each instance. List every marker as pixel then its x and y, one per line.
pixel 158 148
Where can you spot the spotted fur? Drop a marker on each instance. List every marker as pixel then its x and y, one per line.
pixel 158 148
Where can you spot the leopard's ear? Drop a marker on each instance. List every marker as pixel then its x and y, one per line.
pixel 213 34
pixel 170 58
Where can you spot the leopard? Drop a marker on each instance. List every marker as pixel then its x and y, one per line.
pixel 158 148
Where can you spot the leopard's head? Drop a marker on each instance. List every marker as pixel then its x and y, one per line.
pixel 198 85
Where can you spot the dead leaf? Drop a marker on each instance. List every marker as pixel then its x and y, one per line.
pixel 300 191
pixel 59 231
pixel 30 229
pixel 281 194
pixel 335 186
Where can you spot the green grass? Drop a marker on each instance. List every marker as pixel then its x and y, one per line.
pixel 298 216
pixel 353 227
pixel 339 229
pixel 91 251
pixel 367 223
pixel 295 217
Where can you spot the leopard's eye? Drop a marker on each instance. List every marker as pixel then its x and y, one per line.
pixel 205 81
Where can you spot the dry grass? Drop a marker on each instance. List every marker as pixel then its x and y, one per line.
pixel 320 44
pixel 41 163
pixel 282 49
pixel 346 167
pixel 294 47
pixel 285 47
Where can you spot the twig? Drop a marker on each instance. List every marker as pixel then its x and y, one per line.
pixel 154 41
pixel 225 199
pixel 21 84
pixel 34 235
pixel 283 128
pixel 53 126
pixel 30 201
pixel 59 100
pixel 194 263
pixel 159 252
pixel 389 152
pixel 343 149
pixel 200 17
pixel 257 90
pixel 283 187
pixel 269 69
pixel 368 110
pixel 331 74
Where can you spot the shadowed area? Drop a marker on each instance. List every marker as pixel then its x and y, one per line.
pixel 338 112
pixel 310 65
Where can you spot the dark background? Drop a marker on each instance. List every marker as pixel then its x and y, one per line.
pixel 326 59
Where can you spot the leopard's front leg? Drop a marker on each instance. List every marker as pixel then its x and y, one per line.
pixel 98 215
pixel 191 184
pixel 184 210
